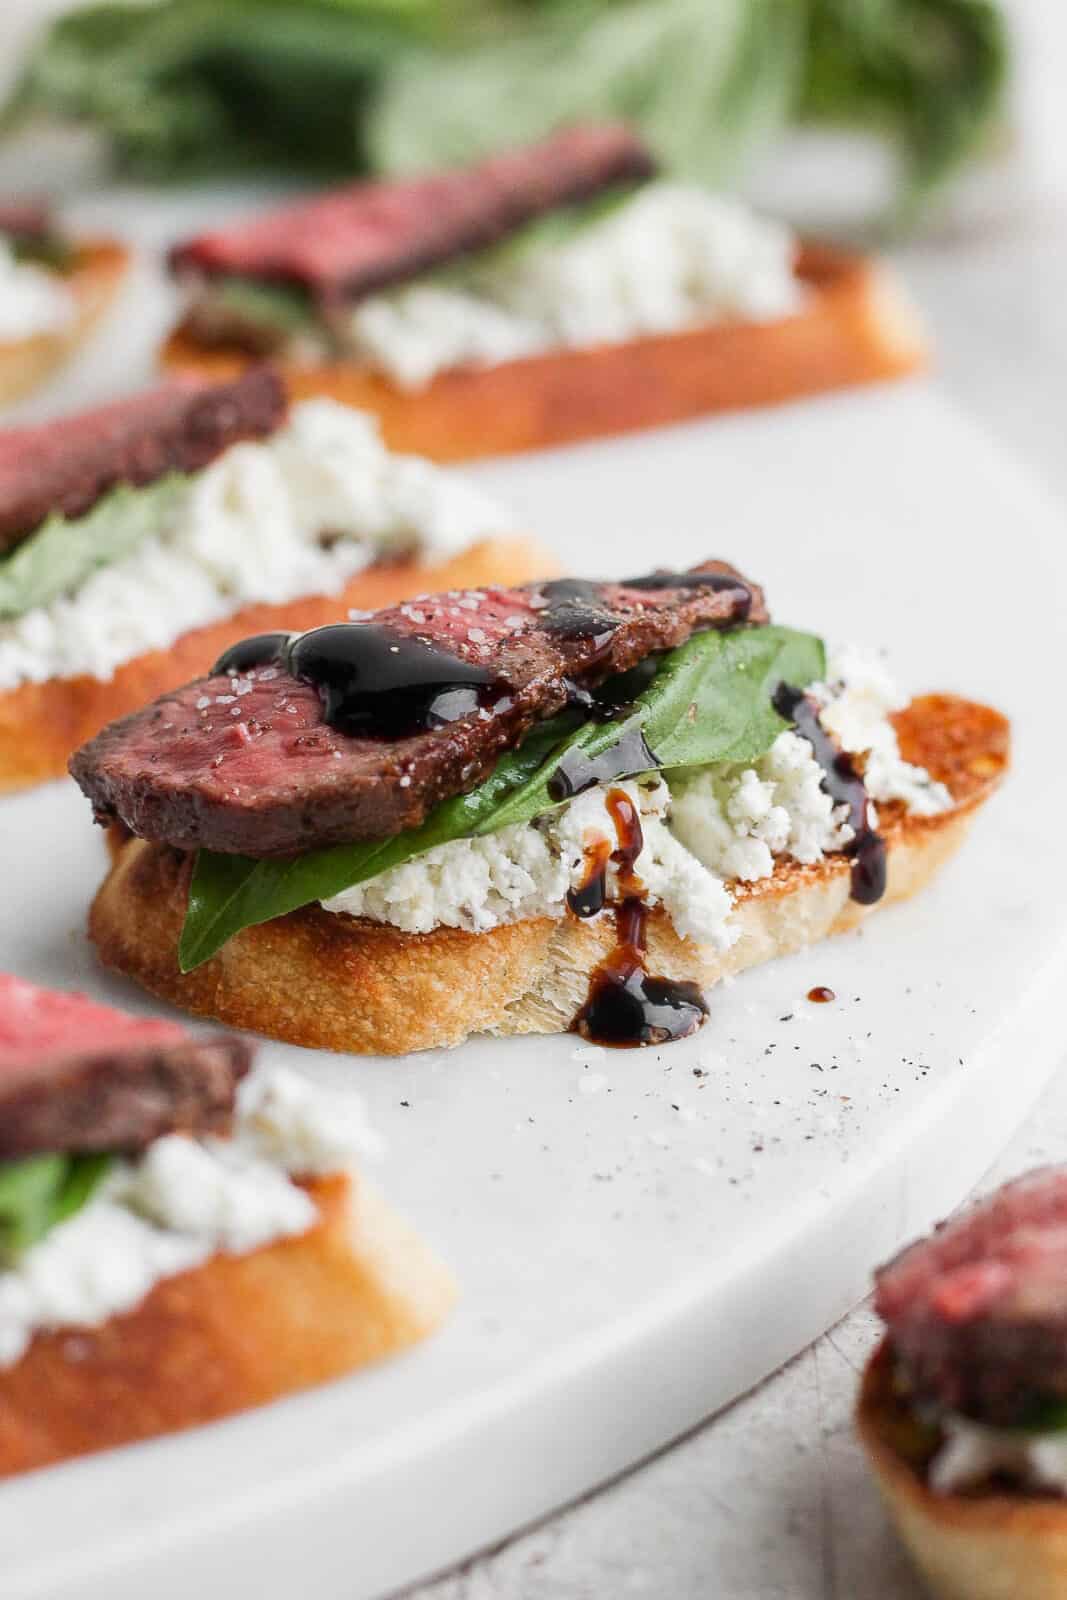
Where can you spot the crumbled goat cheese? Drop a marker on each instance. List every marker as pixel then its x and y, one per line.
pixel 32 299
pixel 737 819
pixel 182 1201
pixel 302 1126
pixel 297 514
pixel 526 870
pixel 971 1453
pixel 672 257
pixel 714 826
pixel 854 705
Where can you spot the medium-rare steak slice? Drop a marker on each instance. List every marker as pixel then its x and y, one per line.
pixel 25 219
pixel 179 426
pixel 368 235
pixel 77 1077
pixel 978 1312
pixel 257 762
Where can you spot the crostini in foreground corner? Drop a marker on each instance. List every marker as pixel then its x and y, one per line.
pixel 139 540
pixel 182 1235
pixel 963 1410
pixel 53 291
pixel 565 805
pixel 550 294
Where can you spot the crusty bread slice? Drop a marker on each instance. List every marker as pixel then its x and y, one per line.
pixel 93 280
pixel 231 1334
pixel 42 723
pixel 995 1546
pixel 855 327
pixel 338 983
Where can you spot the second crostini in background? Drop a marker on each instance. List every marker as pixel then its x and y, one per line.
pixel 54 288
pixel 139 540
pixel 963 1409
pixel 184 1234
pixel 553 293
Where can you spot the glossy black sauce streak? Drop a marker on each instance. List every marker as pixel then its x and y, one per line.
pixel 576 611
pixel 718 582
pixel 587 898
pixel 625 1006
pixel 378 684
pixel 845 786
pixel 578 772
pixel 258 651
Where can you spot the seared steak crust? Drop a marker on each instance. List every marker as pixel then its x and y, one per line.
pixel 68 465
pixel 978 1312
pixel 121 1096
pixel 358 239
pixel 248 763
pixel 25 219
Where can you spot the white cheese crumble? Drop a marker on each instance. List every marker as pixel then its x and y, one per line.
pixel 32 299
pixel 296 514
pixel 854 705
pixel 526 870
pixel 736 820
pixel 183 1201
pixel 972 1452
pixel 672 257
pixel 712 827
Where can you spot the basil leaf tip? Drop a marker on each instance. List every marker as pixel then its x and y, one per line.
pixel 40 1191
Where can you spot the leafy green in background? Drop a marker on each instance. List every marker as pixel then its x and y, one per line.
pixel 63 552
pixel 39 1192
pixel 192 87
pixel 185 87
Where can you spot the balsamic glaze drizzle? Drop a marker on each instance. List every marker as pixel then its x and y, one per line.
pixel 577 772
pixel 379 684
pixel 258 651
pixel 625 1005
pixel 845 786
pixel 374 683
pixel 718 582
pixel 575 611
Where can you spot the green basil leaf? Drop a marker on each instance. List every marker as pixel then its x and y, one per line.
pixel 709 702
pixel 230 892
pixel 64 551
pixel 710 710
pixel 276 311
pixel 38 1192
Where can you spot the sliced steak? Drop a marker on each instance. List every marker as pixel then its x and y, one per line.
pixel 180 426
pixel 361 238
pixel 248 762
pixel 25 219
pixel 978 1312
pixel 79 1077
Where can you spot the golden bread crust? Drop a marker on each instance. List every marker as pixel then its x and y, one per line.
pixel 41 724
pixel 234 1333
pixel 334 982
pixel 855 327
pixel 98 269
pixel 967 1547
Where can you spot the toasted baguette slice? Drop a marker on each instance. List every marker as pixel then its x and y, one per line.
pixel 231 1334
pixel 42 723
pixel 856 327
pixel 995 1546
pixel 93 280
pixel 339 983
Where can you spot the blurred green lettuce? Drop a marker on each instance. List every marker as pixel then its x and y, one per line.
pixel 187 87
